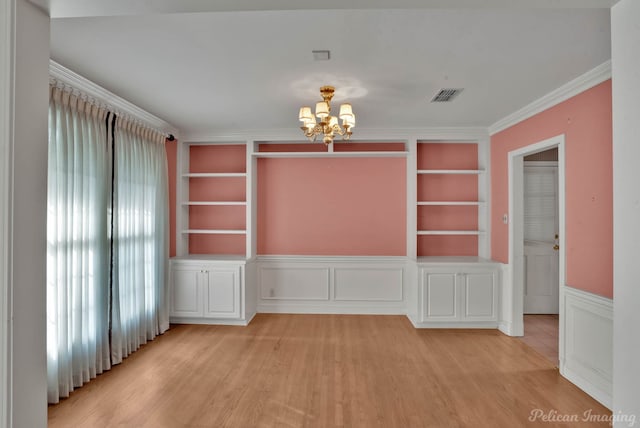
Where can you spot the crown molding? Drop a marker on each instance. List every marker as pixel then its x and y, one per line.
pixel 294 135
pixel 62 75
pixel 581 83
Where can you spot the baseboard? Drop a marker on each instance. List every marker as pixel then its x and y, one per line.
pixel 587 385
pixel 456 324
pixel 506 328
pixel 329 308
pixel 587 358
pixel 210 321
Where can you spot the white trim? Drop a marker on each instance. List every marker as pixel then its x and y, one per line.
pixel 505 324
pixel 453 324
pixel 119 105
pixel 484 197
pixel 214 203
pixel 6 154
pixel 293 135
pixel 570 89
pixel 215 231
pixel 331 259
pixel 214 174
pixel 303 307
pixel 211 321
pixel 593 371
pixel 380 154
pixel 411 184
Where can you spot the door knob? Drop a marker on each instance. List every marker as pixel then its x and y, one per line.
pixel 556 247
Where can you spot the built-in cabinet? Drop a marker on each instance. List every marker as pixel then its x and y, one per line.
pixel 453 291
pixel 209 290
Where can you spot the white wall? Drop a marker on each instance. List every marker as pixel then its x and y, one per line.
pixel 625 39
pixel 6 31
pixel 24 212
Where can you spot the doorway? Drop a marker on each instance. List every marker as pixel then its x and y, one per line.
pixel 536 255
pixel 541 236
pixel 541 232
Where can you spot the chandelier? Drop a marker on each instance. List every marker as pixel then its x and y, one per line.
pixel 327 125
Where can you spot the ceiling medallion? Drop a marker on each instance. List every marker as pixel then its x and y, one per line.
pixel 327 125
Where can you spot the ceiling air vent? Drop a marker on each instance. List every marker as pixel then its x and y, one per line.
pixel 321 55
pixel 446 95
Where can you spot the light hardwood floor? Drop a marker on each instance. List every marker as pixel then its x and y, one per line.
pixel 541 334
pixel 326 371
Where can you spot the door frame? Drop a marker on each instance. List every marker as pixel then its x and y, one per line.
pixel 515 276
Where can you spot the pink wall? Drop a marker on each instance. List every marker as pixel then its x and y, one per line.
pixel 339 206
pixel 585 120
pixel 171 148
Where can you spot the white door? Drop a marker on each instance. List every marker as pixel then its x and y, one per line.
pixel 540 238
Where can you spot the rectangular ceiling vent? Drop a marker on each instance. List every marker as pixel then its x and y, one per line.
pixel 446 95
pixel 323 55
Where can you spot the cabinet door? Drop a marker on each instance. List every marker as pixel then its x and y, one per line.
pixel 186 289
pixel 480 296
pixel 222 293
pixel 440 297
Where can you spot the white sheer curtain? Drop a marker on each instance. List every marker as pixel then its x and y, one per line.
pixel 107 240
pixel 140 238
pixel 77 252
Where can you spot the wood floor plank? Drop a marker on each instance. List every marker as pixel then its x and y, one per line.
pixel 326 371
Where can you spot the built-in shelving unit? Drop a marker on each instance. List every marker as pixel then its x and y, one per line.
pixel 213 199
pixel 450 205
pixel 223 273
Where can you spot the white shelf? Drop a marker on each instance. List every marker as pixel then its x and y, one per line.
pixel 213 203
pixel 213 174
pixel 215 231
pixel 450 232
pixel 449 203
pixel 450 171
pixel 380 154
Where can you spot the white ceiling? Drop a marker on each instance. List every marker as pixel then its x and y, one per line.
pixel 230 70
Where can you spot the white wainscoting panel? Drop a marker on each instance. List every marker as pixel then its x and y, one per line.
pixel 294 283
pixel 368 284
pixel 332 285
pixel 588 360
